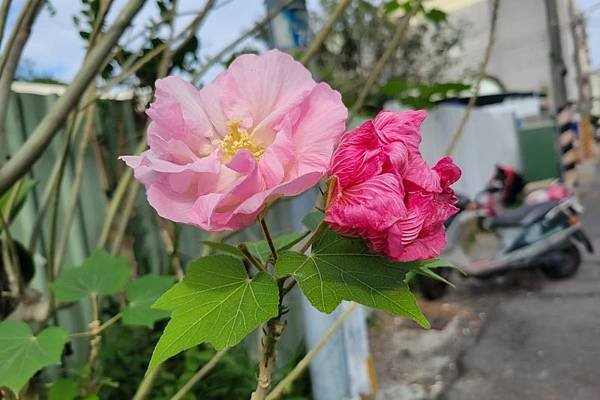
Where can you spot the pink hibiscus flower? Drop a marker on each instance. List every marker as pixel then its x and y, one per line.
pixel 262 130
pixel 386 193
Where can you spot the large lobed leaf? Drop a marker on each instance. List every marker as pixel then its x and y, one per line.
pixel 216 303
pixel 99 274
pixel 343 269
pixel 22 354
pixel 141 293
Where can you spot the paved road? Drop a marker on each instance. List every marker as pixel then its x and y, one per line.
pixel 541 339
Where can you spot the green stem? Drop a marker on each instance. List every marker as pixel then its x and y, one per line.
pixel 146 384
pixel 200 374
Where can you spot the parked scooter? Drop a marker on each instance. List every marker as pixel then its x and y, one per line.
pixel 540 234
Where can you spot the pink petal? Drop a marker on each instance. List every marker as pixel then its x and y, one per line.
pixel 400 126
pixel 419 175
pixel 177 108
pixel 275 163
pixel 255 86
pixel 369 206
pixel 358 157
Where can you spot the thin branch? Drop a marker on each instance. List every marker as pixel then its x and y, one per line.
pixel 265 229
pixel 8 65
pixel 100 329
pixel 305 362
pixel 200 374
pixel 482 68
pixel 105 6
pixel 132 69
pixel 23 20
pixel 51 269
pixel 195 24
pixel 3 16
pixel 38 141
pixel 13 275
pixel 244 249
pixel 46 196
pixel 123 184
pixel 324 32
pixel 75 188
pixel 245 35
pixel 389 51
pixel 125 217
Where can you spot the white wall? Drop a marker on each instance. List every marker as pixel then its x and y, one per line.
pixel 520 57
pixel 490 138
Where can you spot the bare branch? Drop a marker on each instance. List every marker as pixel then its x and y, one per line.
pixel 37 142
pixel 245 35
pixel 392 46
pixel 10 60
pixel 3 16
pixel 195 24
pixel 324 32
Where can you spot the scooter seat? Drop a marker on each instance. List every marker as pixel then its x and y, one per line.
pixel 522 216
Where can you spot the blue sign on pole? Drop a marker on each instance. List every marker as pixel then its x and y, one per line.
pixel 289 29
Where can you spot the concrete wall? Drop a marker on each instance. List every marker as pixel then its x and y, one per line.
pixel 490 138
pixel 520 58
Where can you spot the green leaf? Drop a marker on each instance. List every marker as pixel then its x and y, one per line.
pixel 223 247
pixel 425 271
pixel 216 303
pixel 262 251
pixel 313 219
pixel 141 293
pixel 12 201
pixel 343 269
pixel 22 354
pixel 63 389
pixel 100 274
pixel 436 16
pixel 390 6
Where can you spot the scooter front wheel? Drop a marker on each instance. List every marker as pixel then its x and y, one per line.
pixel 563 263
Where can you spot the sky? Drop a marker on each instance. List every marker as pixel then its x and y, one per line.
pixel 55 48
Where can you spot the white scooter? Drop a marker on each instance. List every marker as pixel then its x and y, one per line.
pixel 540 235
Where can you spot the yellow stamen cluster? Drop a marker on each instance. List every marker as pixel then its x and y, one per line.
pixel 238 139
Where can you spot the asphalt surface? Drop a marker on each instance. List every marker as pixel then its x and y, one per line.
pixel 541 338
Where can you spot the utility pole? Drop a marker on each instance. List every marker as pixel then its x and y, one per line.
pixel 557 65
pixel 576 23
pixel 567 136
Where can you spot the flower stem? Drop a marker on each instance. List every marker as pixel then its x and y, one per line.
pixel 265 228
